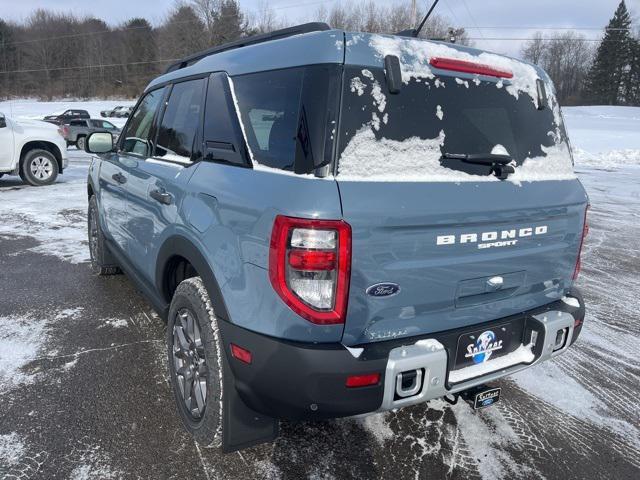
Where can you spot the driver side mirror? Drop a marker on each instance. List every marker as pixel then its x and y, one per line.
pixel 99 142
pixel 3 121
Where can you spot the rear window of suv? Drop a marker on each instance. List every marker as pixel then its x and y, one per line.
pixel 288 116
pixel 412 132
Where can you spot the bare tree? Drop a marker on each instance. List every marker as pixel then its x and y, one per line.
pixel 266 19
pixel 565 57
pixel 368 16
pixel 534 48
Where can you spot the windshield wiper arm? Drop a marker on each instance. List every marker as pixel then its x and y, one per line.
pixel 480 158
pixel 499 164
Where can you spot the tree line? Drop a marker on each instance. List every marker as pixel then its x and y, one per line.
pixel 607 73
pixel 52 55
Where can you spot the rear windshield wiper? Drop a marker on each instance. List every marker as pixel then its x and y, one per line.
pixel 480 158
pixel 499 163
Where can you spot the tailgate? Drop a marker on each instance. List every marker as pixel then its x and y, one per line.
pixel 444 245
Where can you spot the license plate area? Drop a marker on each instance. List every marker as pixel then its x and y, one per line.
pixel 482 345
pixel 482 396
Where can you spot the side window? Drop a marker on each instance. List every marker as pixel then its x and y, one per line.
pixel 136 138
pixel 269 105
pixel 181 121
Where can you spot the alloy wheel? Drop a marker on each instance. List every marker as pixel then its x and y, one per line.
pixel 189 362
pixel 41 168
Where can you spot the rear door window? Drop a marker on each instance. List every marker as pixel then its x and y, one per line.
pixel 136 138
pixel 180 122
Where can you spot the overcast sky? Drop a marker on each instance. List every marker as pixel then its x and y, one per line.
pixel 513 19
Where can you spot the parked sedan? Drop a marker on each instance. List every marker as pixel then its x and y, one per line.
pixel 76 131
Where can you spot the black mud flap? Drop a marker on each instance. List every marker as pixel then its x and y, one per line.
pixel 242 427
pixel 482 396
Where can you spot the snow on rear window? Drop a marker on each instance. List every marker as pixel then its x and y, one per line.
pixel 426 120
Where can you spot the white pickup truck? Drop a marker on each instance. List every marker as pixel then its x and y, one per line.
pixel 33 149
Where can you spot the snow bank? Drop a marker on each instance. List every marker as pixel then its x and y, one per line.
pixel 31 109
pixel 604 137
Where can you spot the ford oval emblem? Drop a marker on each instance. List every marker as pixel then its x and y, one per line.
pixel 383 290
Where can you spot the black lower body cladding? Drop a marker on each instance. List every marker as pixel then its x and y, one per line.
pixel 297 381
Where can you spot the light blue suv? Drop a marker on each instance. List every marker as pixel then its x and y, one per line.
pixel 334 224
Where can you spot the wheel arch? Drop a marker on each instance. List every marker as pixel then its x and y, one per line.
pixel 41 145
pixel 174 251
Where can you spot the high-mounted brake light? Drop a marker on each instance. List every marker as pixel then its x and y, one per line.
pixel 585 232
pixel 469 67
pixel 310 267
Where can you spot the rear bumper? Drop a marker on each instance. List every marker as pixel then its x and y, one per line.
pixel 297 381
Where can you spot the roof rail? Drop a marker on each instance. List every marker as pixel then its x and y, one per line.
pixel 252 40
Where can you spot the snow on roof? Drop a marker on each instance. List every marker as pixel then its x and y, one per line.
pixel 414 55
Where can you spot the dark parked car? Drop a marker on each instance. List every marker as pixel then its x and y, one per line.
pixel 67 116
pixel 336 224
pixel 120 111
pixel 76 131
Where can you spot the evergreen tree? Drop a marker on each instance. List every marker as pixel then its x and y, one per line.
pixel 632 90
pixel 609 74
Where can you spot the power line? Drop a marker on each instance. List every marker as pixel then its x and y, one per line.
pixel 472 19
pixel 498 27
pixel 545 39
pixel 81 67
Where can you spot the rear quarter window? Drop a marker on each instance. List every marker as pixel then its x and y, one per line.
pixel 288 116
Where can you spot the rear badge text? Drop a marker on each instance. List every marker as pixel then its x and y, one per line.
pixel 503 238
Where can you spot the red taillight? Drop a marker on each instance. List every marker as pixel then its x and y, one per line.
pixel 310 267
pixel 63 130
pixel 585 232
pixel 240 353
pixel 363 380
pixel 312 260
pixel 469 67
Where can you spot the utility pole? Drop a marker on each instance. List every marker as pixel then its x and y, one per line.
pixel 414 13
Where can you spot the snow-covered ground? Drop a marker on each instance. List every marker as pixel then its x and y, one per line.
pixel 604 136
pixel 35 110
pixel 577 411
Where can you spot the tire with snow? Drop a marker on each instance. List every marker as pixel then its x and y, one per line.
pixel 80 141
pixel 194 350
pixel 102 262
pixel 39 168
pixel 1 175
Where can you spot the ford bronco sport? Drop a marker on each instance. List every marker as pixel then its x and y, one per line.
pixel 335 224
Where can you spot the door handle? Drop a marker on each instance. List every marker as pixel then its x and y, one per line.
pixel 161 196
pixel 118 177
